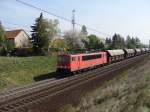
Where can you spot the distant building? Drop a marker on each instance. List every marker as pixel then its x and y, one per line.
pixel 19 37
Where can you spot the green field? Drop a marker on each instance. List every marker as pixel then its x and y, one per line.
pixel 15 71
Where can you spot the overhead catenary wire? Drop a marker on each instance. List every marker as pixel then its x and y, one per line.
pixel 60 17
pixel 15 25
pixel 27 4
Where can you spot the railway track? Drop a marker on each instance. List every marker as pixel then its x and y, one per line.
pixel 21 99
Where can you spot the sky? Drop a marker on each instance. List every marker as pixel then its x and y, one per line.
pixel 126 17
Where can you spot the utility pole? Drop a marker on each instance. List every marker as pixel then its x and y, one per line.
pixel 73 19
pixel 149 43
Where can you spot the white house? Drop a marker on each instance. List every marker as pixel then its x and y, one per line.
pixel 19 37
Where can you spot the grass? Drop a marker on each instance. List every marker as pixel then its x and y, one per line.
pixel 16 71
pixel 130 92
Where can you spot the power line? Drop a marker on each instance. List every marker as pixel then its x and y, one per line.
pixel 25 26
pixel 60 17
pixel 149 43
pixel 27 4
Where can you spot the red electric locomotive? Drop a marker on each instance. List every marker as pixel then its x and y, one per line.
pixel 76 62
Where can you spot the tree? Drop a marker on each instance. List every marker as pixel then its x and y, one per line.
pixel 129 42
pixel 2 35
pixel 108 43
pixel 58 44
pixel 43 32
pixel 132 43
pixel 52 28
pixel 138 42
pixel 5 45
pixel 2 40
pixel 94 43
pixel 117 42
pixel 40 33
pixel 122 43
pixel 73 40
pixel 84 30
pixel 84 34
pixel 9 45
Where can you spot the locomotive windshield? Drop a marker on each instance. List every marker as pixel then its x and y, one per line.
pixel 63 58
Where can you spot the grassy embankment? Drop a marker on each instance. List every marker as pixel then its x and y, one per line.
pixel 130 92
pixel 15 71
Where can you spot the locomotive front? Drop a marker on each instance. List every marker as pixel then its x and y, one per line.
pixel 63 63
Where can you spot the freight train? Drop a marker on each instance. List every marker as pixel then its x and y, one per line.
pixel 72 63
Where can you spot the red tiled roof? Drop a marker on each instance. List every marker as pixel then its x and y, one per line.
pixel 12 34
